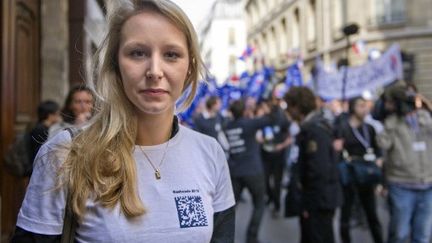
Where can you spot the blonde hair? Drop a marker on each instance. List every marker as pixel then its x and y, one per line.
pixel 100 164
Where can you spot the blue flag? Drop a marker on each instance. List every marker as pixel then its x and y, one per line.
pixel 294 76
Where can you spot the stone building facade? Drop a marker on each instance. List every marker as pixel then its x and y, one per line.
pixel 283 30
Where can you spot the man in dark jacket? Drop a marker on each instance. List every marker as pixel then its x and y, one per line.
pixel 318 174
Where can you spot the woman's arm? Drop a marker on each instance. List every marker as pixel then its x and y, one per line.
pixel 40 218
pixel 23 236
pixel 223 201
pixel 224 226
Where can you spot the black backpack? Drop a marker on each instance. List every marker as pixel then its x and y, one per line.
pixel 18 157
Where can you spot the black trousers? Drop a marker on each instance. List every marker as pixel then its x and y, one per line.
pixel 274 164
pixel 366 196
pixel 317 227
pixel 256 186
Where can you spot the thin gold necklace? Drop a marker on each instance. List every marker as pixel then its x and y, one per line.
pixel 156 170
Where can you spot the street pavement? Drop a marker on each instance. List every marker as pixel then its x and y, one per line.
pixel 287 230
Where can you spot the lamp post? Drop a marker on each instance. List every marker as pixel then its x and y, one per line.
pixel 348 30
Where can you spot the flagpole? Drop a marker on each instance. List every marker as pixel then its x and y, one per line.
pixel 345 76
pixel 348 30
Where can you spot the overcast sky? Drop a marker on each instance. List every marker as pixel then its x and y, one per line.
pixel 195 9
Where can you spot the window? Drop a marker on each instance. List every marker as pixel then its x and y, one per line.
pixel 262 8
pixel 231 36
pixel 339 17
pixel 264 44
pixel 256 12
pixel 249 16
pixel 296 29
pixel 311 31
pixel 271 4
pixel 232 65
pixel 283 45
pixel 389 12
pixel 208 58
pixel 273 43
pixel 339 13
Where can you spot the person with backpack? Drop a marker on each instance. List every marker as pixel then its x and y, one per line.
pixel 48 115
pixel 317 167
pixel 19 159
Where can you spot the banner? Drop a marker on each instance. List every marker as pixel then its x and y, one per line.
pixel 377 73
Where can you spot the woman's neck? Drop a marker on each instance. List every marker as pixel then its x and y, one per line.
pixel 355 121
pixel 154 129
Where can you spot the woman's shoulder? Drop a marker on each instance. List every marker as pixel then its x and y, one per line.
pixel 200 142
pixel 204 147
pixel 61 138
pixel 195 136
pixel 55 148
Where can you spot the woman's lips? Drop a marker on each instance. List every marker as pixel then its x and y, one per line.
pixel 154 92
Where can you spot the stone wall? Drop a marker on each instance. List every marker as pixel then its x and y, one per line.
pixel 54 50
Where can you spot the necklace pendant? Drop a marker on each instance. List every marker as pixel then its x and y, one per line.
pixel 157 175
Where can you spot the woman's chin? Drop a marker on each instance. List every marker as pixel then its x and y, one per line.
pixel 156 110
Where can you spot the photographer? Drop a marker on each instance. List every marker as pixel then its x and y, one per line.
pixel 407 138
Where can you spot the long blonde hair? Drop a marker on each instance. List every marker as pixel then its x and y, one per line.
pixel 100 163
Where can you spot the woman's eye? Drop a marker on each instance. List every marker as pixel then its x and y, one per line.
pixel 137 53
pixel 172 55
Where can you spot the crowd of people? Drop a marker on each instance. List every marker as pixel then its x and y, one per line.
pixel 334 144
pixel 317 146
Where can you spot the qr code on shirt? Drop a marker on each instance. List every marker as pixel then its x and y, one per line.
pixel 191 211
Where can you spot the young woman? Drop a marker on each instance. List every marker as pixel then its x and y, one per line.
pixel 77 110
pixel 359 140
pixel 134 174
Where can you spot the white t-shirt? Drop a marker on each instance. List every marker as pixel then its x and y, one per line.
pixel 195 184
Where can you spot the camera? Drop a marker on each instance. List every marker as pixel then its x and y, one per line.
pixel 395 100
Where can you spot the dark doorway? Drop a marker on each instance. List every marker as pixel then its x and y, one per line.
pixel 19 93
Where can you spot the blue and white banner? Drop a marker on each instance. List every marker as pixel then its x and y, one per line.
pixel 377 73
